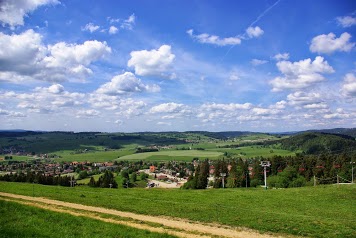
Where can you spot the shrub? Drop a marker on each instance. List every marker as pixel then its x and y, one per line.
pixel 255 182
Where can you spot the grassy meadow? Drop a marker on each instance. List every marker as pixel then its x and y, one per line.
pixel 19 220
pixel 86 180
pixel 211 151
pixel 256 151
pixel 322 211
pixel 93 156
pixel 180 155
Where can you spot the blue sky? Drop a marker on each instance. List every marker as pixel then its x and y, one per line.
pixel 262 65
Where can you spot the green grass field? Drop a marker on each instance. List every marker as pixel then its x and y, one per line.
pixel 118 178
pixel 19 220
pixel 180 155
pixel 94 156
pixel 322 211
pixel 255 151
pixel 86 180
pixel 211 151
pixel 21 158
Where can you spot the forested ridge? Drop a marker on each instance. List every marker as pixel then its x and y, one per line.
pixel 316 143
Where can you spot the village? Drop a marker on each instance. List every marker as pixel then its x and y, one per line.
pixel 169 174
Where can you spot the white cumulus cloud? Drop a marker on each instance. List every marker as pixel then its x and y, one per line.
pixel 126 83
pixel 14 11
pixel 346 21
pixel 90 27
pixel 11 113
pixel 113 30
pixel 234 76
pixel 303 98
pixel 225 107
pixel 329 43
pixel 338 114
pixel 152 62
pixel 310 100
pixel 87 113
pixel 45 99
pixel 213 39
pixel 264 111
pixel 301 74
pixel 170 107
pixel 55 89
pixel 316 106
pixel 257 62
pixel 126 107
pixel 73 54
pixel 21 53
pixel 348 88
pixel 161 123
pixel 254 32
pixel 281 56
pixel 24 57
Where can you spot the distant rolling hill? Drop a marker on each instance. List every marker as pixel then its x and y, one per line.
pixel 317 142
pixel 339 131
pixel 223 135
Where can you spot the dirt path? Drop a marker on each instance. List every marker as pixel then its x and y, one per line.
pixel 177 227
pixel 163 184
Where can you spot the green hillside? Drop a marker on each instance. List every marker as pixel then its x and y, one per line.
pixel 320 212
pixel 339 131
pixel 315 143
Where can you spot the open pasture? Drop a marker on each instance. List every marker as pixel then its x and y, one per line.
pixel 180 155
pixel 92 156
pixel 255 151
pixel 87 180
pixel 322 211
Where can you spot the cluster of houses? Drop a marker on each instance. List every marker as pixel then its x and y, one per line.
pixel 13 150
pixel 51 168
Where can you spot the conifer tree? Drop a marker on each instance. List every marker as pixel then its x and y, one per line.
pixel 233 176
pixel 202 175
pixel 92 182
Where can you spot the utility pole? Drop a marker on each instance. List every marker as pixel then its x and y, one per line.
pixel 337 180
pixel 314 181
pixel 352 171
pixel 265 164
pixel 246 178
pixel 223 175
pixel 72 181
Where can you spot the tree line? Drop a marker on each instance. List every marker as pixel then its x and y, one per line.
pixel 37 177
pixel 284 171
pixel 105 181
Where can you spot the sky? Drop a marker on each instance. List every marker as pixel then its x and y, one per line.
pixel 133 66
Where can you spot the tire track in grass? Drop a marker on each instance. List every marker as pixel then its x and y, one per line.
pixel 172 226
pixel 108 220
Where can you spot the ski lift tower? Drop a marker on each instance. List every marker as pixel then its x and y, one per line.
pixel 265 164
pixel 223 176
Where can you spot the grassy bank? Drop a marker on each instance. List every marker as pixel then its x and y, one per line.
pixel 19 220
pixel 323 211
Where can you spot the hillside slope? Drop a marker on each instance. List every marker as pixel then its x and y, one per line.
pixel 338 131
pixel 315 143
